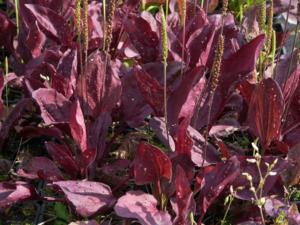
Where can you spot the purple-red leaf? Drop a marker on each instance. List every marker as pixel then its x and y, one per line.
pixel 62 155
pixel 141 206
pixel 100 87
pixel 55 108
pixel 7 32
pixel 184 202
pixel 12 118
pixel 265 111
pixel 40 168
pixel 234 69
pixel 142 33
pixel 77 126
pixel 51 23
pixel 151 90
pixel 151 164
pixel 87 197
pixel 216 180
pixel 11 193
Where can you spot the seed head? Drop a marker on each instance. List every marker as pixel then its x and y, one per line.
pixel 216 67
pixel 78 18
pixel 164 35
pixel 261 15
pixel 269 27
pixel 109 23
pixel 182 11
pixel 85 25
pixel 225 7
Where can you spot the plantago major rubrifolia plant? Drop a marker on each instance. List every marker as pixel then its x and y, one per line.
pixel 215 72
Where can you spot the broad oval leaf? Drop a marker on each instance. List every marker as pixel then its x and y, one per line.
pixel 77 126
pixel 11 193
pixel 87 197
pixel 184 202
pixel 265 111
pixel 40 168
pixel 99 88
pixel 141 206
pixel 62 155
pixel 51 23
pixel 216 180
pixel 55 108
pixel 151 164
pixel 151 90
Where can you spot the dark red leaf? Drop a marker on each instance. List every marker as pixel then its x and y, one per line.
pixel 185 203
pixel 141 206
pixel 32 132
pixel 12 118
pixel 35 40
pixel 87 197
pixel 134 108
pixel 181 101
pixel 98 133
pixel 40 168
pixel 199 45
pixel 151 164
pixel 151 90
pixel 142 33
pixel 234 69
pixel 62 155
pixel 100 87
pixel 7 32
pixel 51 23
pixel 291 176
pixel 55 108
pixel 77 126
pixel 215 181
pixel 265 111
pixel 11 193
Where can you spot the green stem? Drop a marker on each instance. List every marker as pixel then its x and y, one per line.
pixel 6 79
pixel 17 16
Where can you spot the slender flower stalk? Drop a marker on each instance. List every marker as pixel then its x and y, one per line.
pixel 165 57
pixel 215 74
pixel 182 13
pixel 17 16
pixel 104 22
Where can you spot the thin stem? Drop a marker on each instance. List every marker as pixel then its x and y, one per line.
pixel 227 210
pixel 6 81
pixel 166 102
pixel 17 16
pixel 104 23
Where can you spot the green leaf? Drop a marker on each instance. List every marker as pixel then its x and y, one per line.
pixel 62 214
